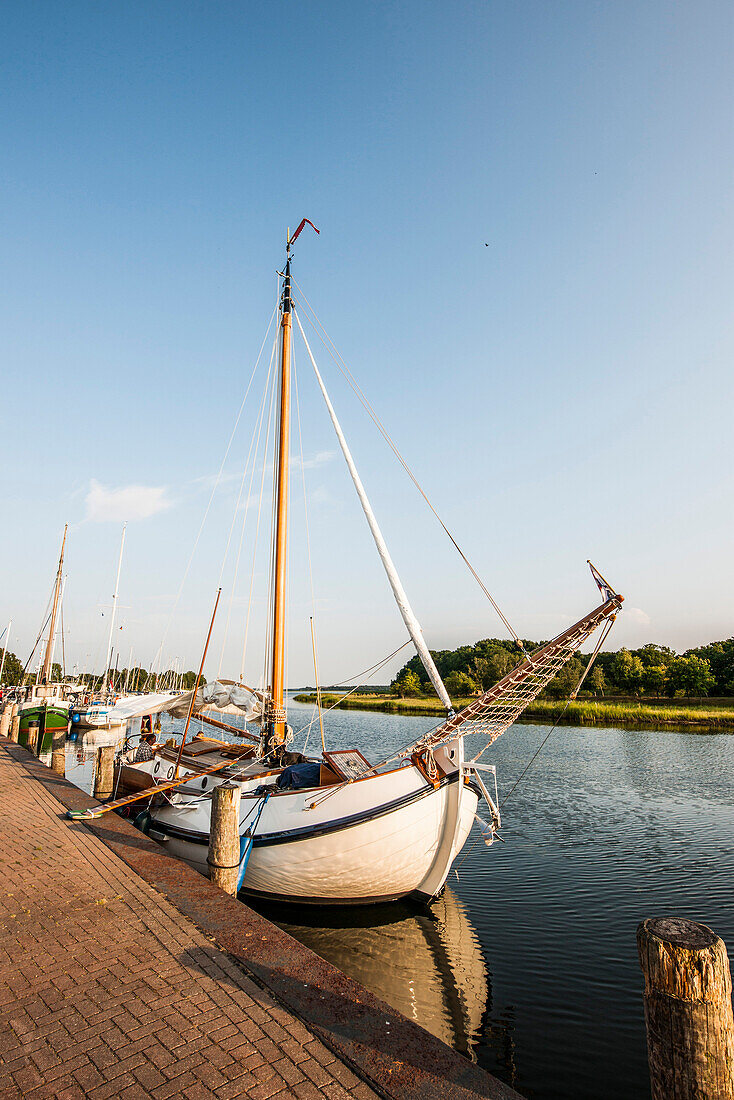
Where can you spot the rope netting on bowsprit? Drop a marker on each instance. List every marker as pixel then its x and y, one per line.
pixel 494 711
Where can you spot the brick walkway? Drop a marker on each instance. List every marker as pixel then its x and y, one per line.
pixel 106 990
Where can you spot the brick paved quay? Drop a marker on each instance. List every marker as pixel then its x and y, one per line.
pixel 114 983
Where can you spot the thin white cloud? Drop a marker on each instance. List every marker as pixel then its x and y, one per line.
pixel 126 503
pixel 319 459
pixel 208 481
pixel 636 615
pixel 230 477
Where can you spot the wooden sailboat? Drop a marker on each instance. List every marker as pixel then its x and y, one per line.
pixel 47 711
pixel 355 832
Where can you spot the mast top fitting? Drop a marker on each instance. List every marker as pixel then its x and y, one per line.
pixel 289 242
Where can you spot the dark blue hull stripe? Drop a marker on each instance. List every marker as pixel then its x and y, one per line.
pixel 308 832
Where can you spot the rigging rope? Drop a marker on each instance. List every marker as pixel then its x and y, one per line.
pixel 535 755
pixel 214 488
pixel 256 538
pixel 252 453
pixel 401 598
pixel 308 555
pixel 362 676
pixel 332 349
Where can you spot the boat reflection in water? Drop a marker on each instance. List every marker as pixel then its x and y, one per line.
pixel 425 962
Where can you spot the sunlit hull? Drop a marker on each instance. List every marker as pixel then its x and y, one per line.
pixel 378 839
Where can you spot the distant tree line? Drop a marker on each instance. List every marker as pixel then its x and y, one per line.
pixel 653 670
pixel 137 679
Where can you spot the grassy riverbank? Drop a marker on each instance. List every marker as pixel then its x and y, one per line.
pixel 583 712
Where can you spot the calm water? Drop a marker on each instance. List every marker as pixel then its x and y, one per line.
pixel 528 963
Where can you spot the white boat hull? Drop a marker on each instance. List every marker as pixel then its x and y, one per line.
pixel 378 839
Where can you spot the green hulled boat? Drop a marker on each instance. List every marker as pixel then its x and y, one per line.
pixel 46 712
pixel 39 720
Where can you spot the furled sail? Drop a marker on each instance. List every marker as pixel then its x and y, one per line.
pixel 223 696
pixel 495 711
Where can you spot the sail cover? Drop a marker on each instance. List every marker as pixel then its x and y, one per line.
pixel 222 696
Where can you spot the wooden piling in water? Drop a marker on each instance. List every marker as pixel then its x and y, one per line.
pixel 104 772
pixel 58 752
pixel 688 1010
pixel 224 837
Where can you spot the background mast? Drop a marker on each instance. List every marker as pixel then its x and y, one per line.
pixel 108 658
pixel 48 656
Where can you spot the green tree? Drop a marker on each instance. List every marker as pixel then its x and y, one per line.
pixel 56 672
pixel 720 656
pixel 459 684
pixel 627 670
pixel 597 681
pixel 563 684
pixel 189 679
pixel 654 656
pixel 691 675
pixel 407 685
pixel 12 669
pixel 490 668
pixel 654 679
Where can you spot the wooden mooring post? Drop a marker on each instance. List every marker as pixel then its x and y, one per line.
pixel 58 752
pixel 104 773
pixel 688 1010
pixel 15 724
pixel 224 837
pixel 5 719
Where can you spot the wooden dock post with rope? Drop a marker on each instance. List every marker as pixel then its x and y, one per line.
pixel 104 772
pixel 224 837
pixel 688 1010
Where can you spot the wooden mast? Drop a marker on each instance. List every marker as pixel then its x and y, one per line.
pixel 275 729
pixel 46 669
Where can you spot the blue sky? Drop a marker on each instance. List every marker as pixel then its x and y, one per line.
pixel 525 258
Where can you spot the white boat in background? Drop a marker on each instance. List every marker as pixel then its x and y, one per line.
pixel 121 710
pixel 341 829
